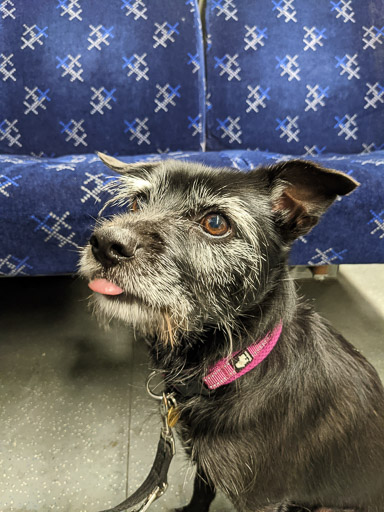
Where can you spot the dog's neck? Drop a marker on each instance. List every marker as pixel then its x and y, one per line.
pixel 193 354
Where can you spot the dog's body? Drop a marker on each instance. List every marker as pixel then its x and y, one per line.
pixel 199 266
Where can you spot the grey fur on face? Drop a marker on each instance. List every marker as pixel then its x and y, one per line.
pixel 181 277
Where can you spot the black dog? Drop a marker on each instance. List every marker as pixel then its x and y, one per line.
pixel 198 264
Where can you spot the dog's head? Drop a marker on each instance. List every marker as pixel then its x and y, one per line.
pixel 194 245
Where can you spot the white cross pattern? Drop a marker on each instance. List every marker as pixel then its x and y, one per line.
pixel 101 34
pixel 38 97
pixel 238 163
pixel 9 132
pixel 7 8
pixel 52 229
pixel 77 159
pixel 289 66
pixel 344 10
pixel 231 129
pixel 139 130
pixel 348 126
pixel 372 36
pixel 191 3
pixel 7 63
pixel 326 257
pixel 368 148
pixel 14 265
pixel 254 36
pixel 71 67
pixel 256 98
pixel 318 94
pixel 348 65
pixel 312 37
pixel 194 60
pixel 6 182
pixel 103 98
pixel 137 65
pixel 313 151
pixel 164 33
pixel 226 7
pixel 165 96
pixel 285 8
pixel 35 35
pixel 195 124
pixel 378 221
pixel 60 167
pixel 377 162
pixel 75 132
pixel 13 159
pixel 229 65
pixel 94 185
pixel 72 8
pixel 289 128
pixel 374 95
pixel 135 7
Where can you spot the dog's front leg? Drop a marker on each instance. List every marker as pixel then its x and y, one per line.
pixel 203 494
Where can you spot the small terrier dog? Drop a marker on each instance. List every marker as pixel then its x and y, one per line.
pixel 197 262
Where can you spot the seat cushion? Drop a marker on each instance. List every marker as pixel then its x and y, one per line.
pixel 295 76
pixel 49 205
pixel 76 76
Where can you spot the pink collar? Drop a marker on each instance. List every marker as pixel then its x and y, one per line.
pixel 237 364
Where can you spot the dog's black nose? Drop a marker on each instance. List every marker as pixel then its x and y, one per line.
pixel 109 248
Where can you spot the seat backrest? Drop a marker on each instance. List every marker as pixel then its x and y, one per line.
pixel 295 76
pixel 123 76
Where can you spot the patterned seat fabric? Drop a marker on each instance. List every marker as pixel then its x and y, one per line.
pixel 295 76
pixel 42 231
pixel 127 78
pixel 83 75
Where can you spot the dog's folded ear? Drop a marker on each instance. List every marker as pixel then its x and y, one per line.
pixel 124 167
pixel 301 191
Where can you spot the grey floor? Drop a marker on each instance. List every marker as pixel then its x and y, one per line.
pixel 77 429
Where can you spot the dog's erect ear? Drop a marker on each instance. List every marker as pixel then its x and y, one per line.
pixel 124 167
pixel 301 191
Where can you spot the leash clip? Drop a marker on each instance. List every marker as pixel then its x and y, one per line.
pixel 150 392
pixel 168 403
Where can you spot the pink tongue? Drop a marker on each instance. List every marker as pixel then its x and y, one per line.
pixel 105 287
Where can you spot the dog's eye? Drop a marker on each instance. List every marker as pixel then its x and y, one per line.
pixel 216 224
pixel 138 202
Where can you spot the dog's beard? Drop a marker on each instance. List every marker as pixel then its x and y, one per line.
pixel 166 323
pixel 152 302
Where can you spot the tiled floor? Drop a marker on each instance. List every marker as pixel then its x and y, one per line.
pixel 77 428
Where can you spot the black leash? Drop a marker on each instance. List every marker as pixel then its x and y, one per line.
pixel 156 483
